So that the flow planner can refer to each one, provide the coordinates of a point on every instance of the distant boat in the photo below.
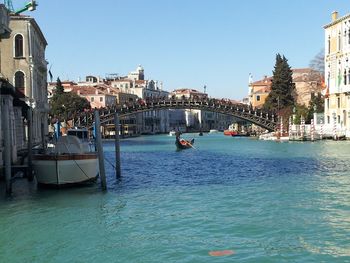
(71, 160)
(182, 144)
(172, 133)
(230, 131)
(273, 136)
(213, 131)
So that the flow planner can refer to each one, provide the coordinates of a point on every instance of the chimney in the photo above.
(334, 16)
(96, 91)
(108, 90)
(78, 92)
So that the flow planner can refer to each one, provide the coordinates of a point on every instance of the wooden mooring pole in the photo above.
(7, 146)
(100, 150)
(117, 146)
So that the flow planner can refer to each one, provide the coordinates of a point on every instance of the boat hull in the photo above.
(59, 170)
(230, 133)
(184, 145)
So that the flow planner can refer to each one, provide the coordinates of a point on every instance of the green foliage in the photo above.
(301, 110)
(316, 105)
(282, 88)
(65, 104)
(59, 87)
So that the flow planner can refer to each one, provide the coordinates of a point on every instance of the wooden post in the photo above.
(30, 144)
(7, 145)
(100, 150)
(117, 146)
(312, 130)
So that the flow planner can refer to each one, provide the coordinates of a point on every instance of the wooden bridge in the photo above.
(260, 118)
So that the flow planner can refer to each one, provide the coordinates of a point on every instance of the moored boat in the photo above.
(230, 131)
(71, 160)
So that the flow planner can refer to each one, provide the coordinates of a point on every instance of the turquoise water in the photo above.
(265, 201)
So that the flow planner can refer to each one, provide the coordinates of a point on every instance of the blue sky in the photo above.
(184, 43)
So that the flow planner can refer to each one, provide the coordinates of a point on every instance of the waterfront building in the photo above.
(258, 92)
(337, 73)
(135, 83)
(97, 96)
(307, 81)
(22, 74)
(125, 90)
(197, 119)
(23, 64)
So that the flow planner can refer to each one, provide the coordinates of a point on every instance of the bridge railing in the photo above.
(267, 120)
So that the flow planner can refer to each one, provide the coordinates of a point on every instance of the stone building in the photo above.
(308, 82)
(12, 106)
(337, 73)
(135, 83)
(195, 120)
(22, 62)
(258, 92)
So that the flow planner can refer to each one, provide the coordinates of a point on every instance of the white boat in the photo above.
(71, 160)
(213, 131)
(272, 136)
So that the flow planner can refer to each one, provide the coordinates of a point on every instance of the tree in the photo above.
(65, 104)
(316, 105)
(282, 88)
(317, 63)
(59, 86)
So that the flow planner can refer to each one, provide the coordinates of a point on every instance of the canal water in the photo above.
(258, 201)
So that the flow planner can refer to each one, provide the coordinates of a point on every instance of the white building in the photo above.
(337, 74)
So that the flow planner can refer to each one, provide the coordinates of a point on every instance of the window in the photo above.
(329, 44)
(339, 42)
(345, 78)
(349, 36)
(327, 103)
(328, 119)
(338, 118)
(338, 102)
(19, 80)
(92, 99)
(257, 98)
(18, 46)
(101, 99)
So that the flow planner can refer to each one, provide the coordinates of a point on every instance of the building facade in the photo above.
(14, 64)
(307, 81)
(337, 73)
(22, 62)
(258, 92)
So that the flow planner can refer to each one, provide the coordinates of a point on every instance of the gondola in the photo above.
(182, 144)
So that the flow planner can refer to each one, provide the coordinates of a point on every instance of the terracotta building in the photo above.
(308, 82)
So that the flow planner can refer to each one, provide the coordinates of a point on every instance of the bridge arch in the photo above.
(258, 117)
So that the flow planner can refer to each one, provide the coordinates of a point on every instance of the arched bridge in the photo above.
(263, 119)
